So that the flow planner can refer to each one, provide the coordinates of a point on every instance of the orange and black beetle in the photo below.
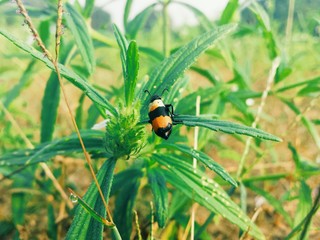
(161, 116)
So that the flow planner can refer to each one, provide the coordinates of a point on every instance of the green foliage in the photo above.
(83, 225)
(124, 135)
(227, 78)
(79, 30)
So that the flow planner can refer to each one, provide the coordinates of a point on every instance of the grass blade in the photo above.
(205, 191)
(123, 213)
(132, 72)
(203, 19)
(23, 82)
(49, 110)
(136, 24)
(278, 206)
(67, 73)
(93, 141)
(78, 28)
(174, 66)
(228, 12)
(83, 225)
(224, 126)
(204, 158)
(160, 194)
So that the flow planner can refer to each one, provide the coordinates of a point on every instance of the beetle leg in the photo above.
(168, 106)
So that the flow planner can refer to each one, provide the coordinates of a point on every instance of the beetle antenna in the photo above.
(147, 91)
(166, 89)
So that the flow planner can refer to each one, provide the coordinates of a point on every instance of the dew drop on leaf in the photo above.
(73, 198)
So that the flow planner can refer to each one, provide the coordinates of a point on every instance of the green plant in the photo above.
(163, 169)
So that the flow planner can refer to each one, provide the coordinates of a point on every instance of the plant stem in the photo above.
(289, 22)
(28, 21)
(272, 73)
(165, 29)
(115, 233)
(195, 146)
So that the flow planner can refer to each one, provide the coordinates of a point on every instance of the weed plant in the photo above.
(144, 186)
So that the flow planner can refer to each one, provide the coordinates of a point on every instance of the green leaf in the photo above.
(203, 19)
(79, 111)
(93, 141)
(25, 79)
(83, 225)
(205, 73)
(88, 8)
(160, 194)
(304, 204)
(132, 72)
(295, 85)
(173, 67)
(205, 191)
(126, 13)
(224, 126)
(264, 22)
(278, 206)
(138, 21)
(204, 158)
(123, 44)
(51, 99)
(52, 226)
(305, 121)
(125, 200)
(78, 28)
(67, 73)
(228, 12)
(49, 110)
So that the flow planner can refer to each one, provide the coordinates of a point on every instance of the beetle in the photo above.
(160, 115)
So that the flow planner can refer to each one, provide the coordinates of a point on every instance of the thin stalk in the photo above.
(270, 80)
(165, 30)
(137, 225)
(115, 233)
(28, 21)
(289, 22)
(195, 146)
(152, 221)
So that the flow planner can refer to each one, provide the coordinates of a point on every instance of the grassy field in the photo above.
(243, 157)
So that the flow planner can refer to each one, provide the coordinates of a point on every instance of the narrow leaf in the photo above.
(132, 72)
(67, 73)
(305, 121)
(88, 8)
(304, 204)
(93, 141)
(123, 44)
(83, 225)
(278, 206)
(138, 21)
(203, 19)
(126, 13)
(123, 213)
(224, 126)
(204, 158)
(205, 191)
(24, 81)
(228, 12)
(90, 210)
(78, 28)
(160, 194)
(174, 66)
(49, 110)
(51, 99)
